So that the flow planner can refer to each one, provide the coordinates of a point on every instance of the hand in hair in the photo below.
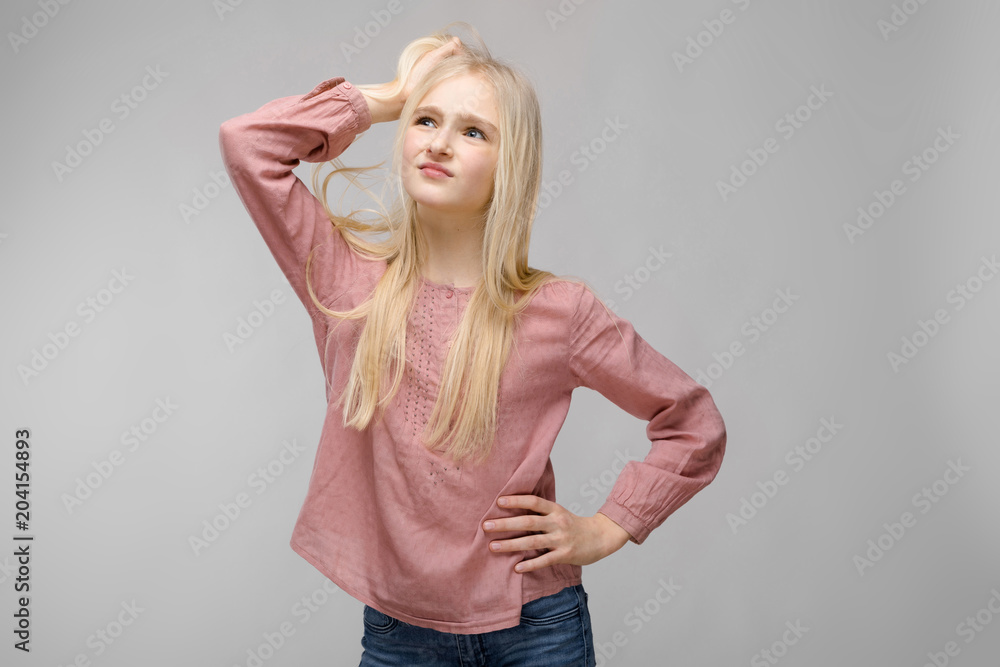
(386, 100)
(426, 62)
(568, 538)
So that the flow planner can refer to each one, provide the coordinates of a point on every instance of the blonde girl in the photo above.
(449, 366)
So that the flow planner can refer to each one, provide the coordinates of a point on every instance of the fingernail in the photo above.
(488, 525)
(518, 567)
(502, 501)
(495, 546)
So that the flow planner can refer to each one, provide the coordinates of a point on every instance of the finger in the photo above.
(525, 543)
(535, 503)
(545, 560)
(448, 48)
(530, 522)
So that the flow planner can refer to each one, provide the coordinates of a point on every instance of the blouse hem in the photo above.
(508, 621)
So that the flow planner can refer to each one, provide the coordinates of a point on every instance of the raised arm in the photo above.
(260, 149)
(685, 428)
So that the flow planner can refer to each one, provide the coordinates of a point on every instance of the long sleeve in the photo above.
(685, 428)
(259, 151)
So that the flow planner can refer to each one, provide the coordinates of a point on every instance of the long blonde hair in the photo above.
(464, 417)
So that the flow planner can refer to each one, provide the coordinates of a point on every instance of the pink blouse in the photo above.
(393, 524)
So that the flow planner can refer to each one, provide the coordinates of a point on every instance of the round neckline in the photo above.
(450, 287)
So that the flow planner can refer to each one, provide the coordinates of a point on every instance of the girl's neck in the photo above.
(452, 250)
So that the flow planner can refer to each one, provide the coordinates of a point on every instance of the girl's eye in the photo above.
(429, 122)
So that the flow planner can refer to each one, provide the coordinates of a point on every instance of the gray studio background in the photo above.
(880, 548)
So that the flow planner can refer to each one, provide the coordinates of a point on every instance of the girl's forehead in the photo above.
(466, 92)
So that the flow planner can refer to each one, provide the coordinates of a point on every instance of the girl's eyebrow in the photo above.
(468, 117)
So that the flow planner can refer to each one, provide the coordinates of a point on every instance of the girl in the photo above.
(449, 365)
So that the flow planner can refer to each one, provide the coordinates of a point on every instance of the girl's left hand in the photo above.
(577, 540)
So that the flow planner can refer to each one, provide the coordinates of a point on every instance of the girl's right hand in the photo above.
(426, 62)
(385, 107)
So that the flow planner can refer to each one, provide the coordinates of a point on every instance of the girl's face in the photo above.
(450, 148)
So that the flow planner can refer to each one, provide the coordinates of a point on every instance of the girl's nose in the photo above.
(439, 143)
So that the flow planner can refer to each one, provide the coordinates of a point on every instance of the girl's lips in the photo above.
(433, 172)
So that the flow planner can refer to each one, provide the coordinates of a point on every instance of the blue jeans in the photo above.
(554, 631)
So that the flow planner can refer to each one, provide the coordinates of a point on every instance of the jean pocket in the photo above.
(552, 609)
(377, 622)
